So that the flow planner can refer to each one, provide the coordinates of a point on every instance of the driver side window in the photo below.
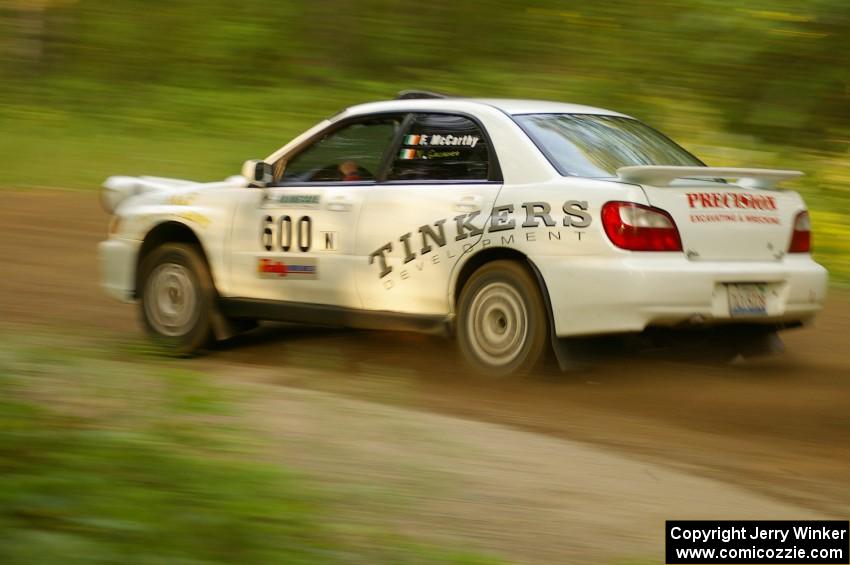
(350, 154)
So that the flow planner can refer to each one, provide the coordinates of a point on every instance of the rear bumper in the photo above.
(628, 294)
(117, 260)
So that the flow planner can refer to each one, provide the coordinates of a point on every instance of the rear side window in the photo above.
(442, 147)
(589, 145)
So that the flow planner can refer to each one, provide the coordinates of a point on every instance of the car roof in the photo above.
(507, 105)
(518, 106)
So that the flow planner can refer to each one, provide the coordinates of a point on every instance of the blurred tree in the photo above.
(774, 68)
(25, 30)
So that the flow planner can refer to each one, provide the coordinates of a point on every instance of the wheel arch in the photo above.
(568, 355)
(485, 256)
(169, 231)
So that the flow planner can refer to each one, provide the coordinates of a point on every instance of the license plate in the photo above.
(747, 299)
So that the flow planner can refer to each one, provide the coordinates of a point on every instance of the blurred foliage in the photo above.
(128, 461)
(192, 88)
(776, 69)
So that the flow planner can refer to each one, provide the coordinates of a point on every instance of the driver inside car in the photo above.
(349, 170)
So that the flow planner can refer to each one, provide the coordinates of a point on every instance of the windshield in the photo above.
(589, 145)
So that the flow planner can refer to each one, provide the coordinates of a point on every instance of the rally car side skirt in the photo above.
(327, 315)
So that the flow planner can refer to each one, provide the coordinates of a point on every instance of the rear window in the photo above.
(588, 145)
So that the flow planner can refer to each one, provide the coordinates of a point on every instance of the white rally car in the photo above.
(508, 223)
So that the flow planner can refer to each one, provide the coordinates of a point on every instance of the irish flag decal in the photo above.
(412, 140)
(407, 153)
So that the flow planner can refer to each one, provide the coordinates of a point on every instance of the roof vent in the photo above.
(418, 95)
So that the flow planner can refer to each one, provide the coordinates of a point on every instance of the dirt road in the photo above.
(778, 428)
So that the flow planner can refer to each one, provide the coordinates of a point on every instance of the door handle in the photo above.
(339, 204)
(468, 203)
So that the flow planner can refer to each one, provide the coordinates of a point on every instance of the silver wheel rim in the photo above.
(171, 304)
(497, 324)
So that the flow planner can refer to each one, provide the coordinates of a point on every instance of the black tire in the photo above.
(177, 298)
(502, 321)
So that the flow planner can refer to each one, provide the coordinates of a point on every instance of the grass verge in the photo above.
(107, 459)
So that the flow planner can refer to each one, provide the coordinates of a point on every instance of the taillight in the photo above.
(801, 237)
(640, 228)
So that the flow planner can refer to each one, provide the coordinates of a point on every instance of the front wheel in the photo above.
(502, 322)
(177, 298)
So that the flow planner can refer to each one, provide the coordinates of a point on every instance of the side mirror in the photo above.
(258, 173)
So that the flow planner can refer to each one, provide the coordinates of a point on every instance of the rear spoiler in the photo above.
(662, 176)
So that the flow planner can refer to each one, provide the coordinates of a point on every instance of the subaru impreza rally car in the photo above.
(510, 224)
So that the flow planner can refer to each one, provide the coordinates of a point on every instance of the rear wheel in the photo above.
(177, 298)
(502, 321)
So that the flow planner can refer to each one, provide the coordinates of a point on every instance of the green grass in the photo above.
(111, 456)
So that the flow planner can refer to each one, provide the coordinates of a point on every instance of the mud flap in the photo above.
(222, 327)
(572, 354)
(569, 354)
(576, 354)
(226, 328)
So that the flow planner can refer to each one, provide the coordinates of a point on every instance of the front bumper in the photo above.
(628, 294)
(117, 260)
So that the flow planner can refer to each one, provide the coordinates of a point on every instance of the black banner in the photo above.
(752, 541)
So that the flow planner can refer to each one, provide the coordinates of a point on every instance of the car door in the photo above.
(295, 240)
(441, 182)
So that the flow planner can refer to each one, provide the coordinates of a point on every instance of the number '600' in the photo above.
(278, 235)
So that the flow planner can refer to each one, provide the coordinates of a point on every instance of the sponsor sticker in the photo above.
(708, 200)
(186, 199)
(195, 217)
(296, 200)
(732, 207)
(300, 269)
(536, 217)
